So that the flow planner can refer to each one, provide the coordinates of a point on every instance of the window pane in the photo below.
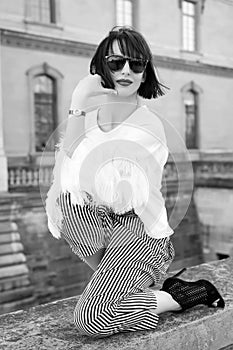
(188, 27)
(43, 10)
(128, 12)
(124, 12)
(191, 119)
(188, 8)
(44, 108)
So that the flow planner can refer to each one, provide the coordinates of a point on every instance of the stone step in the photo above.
(7, 227)
(12, 259)
(9, 237)
(14, 282)
(11, 248)
(16, 294)
(10, 271)
(14, 305)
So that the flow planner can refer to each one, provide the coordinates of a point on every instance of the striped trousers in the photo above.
(133, 262)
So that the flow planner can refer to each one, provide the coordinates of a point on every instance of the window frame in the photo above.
(43, 69)
(199, 9)
(39, 103)
(197, 91)
(134, 13)
(193, 18)
(55, 15)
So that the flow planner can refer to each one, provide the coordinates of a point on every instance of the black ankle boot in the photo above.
(189, 294)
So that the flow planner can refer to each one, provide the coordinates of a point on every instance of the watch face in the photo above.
(77, 112)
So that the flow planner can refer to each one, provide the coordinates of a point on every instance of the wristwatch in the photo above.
(76, 112)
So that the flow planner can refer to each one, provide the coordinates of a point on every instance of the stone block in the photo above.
(9, 237)
(13, 282)
(16, 294)
(12, 259)
(50, 326)
(14, 305)
(7, 226)
(9, 248)
(14, 270)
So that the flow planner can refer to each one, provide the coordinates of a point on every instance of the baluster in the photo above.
(24, 177)
(11, 177)
(29, 177)
(18, 177)
(35, 177)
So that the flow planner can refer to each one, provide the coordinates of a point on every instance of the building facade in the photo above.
(45, 49)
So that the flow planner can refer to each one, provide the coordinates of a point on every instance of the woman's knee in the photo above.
(86, 321)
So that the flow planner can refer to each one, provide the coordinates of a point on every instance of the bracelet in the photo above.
(76, 112)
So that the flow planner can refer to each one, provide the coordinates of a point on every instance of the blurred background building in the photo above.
(45, 49)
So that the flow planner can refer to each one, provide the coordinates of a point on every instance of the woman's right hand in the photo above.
(89, 86)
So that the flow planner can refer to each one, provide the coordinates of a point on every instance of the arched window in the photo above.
(191, 102)
(45, 106)
(45, 116)
(190, 105)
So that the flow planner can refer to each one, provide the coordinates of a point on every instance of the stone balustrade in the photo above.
(208, 171)
(23, 177)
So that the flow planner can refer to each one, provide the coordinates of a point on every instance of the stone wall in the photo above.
(53, 270)
(51, 326)
(34, 267)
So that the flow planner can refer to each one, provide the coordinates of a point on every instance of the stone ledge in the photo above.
(50, 326)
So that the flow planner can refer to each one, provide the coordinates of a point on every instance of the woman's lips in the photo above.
(124, 82)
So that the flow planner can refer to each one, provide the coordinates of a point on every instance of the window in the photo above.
(45, 106)
(124, 12)
(190, 104)
(44, 110)
(42, 11)
(191, 96)
(189, 24)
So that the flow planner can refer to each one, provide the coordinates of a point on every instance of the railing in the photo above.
(23, 177)
(31, 176)
(213, 173)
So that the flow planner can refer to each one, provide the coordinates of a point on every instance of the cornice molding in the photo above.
(200, 2)
(192, 66)
(44, 43)
(75, 48)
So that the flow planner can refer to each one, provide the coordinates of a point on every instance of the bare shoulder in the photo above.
(152, 121)
(151, 116)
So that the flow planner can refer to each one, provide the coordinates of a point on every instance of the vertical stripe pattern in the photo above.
(132, 263)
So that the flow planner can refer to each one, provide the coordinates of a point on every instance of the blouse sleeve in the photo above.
(64, 179)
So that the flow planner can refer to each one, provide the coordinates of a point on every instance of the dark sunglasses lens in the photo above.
(115, 63)
(137, 66)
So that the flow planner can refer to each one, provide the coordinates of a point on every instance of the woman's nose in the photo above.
(126, 68)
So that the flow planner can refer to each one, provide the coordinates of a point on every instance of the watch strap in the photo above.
(76, 112)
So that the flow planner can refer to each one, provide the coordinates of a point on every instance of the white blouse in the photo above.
(121, 168)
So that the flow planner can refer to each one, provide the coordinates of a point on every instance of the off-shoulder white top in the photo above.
(121, 168)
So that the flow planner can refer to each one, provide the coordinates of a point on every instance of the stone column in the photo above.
(3, 159)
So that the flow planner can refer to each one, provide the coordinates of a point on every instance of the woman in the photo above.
(101, 203)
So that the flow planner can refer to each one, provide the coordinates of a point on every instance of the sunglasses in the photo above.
(117, 62)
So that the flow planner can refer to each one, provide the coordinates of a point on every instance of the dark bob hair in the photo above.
(132, 44)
